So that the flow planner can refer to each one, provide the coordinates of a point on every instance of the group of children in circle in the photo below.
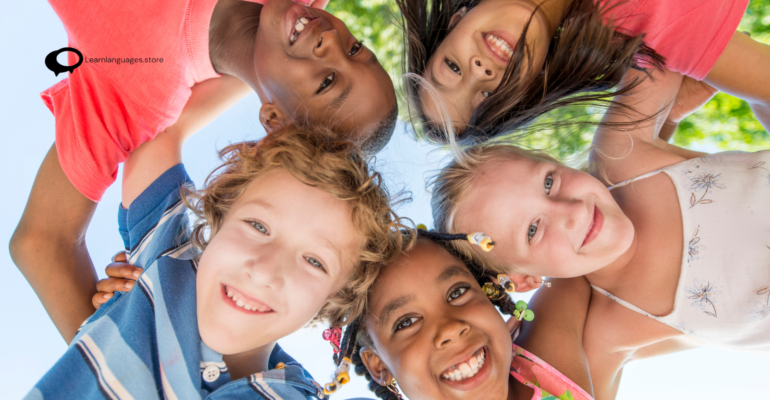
(299, 228)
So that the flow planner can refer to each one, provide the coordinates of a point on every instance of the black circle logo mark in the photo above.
(53, 64)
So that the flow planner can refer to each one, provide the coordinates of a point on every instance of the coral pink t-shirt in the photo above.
(105, 110)
(691, 34)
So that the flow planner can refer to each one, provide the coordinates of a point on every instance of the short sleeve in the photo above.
(157, 216)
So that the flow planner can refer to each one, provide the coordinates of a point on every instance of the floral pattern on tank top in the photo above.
(723, 294)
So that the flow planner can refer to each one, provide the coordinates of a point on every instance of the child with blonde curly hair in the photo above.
(287, 228)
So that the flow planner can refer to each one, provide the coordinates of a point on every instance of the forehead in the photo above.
(415, 274)
(500, 186)
(310, 210)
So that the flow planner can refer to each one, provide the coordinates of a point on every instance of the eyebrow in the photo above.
(263, 204)
(451, 272)
(393, 306)
(329, 245)
(340, 100)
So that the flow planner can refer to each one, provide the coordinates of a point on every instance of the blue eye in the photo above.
(532, 230)
(456, 293)
(261, 228)
(405, 323)
(312, 261)
(548, 184)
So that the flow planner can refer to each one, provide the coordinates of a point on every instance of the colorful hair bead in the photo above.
(341, 376)
(481, 240)
(522, 312)
(506, 283)
(493, 291)
(333, 336)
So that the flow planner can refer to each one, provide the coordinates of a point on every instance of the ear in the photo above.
(525, 283)
(271, 117)
(377, 369)
(457, 16)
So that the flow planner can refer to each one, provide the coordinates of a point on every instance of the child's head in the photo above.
(429, 325)
(546, 219)
(495, 65)
(314, 72)
(288, 226)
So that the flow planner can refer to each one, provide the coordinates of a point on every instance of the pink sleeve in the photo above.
(96, 128)
(530, 370)
(690, 34)
(309, 3)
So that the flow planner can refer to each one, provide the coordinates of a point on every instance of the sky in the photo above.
(29, 342)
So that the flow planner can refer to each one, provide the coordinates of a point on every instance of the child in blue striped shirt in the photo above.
(286, 227)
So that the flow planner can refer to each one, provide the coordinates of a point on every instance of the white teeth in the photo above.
(499, 46)
(304, 20)
(466, 369)
(299, 26)
(242, 304)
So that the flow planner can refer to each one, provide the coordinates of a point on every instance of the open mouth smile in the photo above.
(470, 373)
(241, 302)
(499, 47)
(297, 23)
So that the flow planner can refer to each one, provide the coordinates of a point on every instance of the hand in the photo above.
(121, 278)
(692, 96)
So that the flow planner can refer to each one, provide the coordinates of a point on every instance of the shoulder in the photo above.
(292, 382)
(157, 215)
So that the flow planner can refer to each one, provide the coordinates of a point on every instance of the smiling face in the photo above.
(546, 219)
(435, 331)
(471, 61)
(282, 250)
(309, 65)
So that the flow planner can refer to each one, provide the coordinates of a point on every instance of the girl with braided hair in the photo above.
(429, 326)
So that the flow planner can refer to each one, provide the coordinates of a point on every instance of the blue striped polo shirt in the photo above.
(144, 344)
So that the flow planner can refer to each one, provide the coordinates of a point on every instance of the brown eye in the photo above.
(356, 49)
(326, 83)
(452, 66)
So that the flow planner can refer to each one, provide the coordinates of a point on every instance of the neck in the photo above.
(249, 362)
(232, 35)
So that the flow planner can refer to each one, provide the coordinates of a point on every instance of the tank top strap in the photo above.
(624, 303)
(627, 181)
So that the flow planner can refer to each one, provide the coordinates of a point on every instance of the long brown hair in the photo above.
(586, 59)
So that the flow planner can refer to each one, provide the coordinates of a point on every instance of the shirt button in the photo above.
(211, 373)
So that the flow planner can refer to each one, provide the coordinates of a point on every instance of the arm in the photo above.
(49, 246)
(208, 100)
(692, 96)
(556, 334)
(741, 71)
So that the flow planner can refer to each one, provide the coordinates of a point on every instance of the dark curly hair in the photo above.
(356, 336)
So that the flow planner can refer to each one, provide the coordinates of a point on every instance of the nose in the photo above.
(329, 44)
(572, 212)
(450, 330)
(267, 267)
(482, 69)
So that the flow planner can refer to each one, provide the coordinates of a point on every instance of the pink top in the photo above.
(691, 34)
(105, 110)
(547, 382)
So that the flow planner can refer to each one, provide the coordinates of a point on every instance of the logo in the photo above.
(52, 64)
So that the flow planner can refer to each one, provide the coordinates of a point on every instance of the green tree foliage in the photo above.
(725, 123)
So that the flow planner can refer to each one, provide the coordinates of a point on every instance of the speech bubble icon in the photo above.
(53, 64)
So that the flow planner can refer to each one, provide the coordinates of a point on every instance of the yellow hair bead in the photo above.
(481, 240)
(506, 283)
(422, 227)
(280, 365)
(330, 388)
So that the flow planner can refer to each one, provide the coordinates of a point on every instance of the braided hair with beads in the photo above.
(356, 336)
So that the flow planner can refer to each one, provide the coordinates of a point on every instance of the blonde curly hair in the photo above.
(315, 157)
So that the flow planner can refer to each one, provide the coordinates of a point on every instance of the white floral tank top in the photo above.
(723, 295)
